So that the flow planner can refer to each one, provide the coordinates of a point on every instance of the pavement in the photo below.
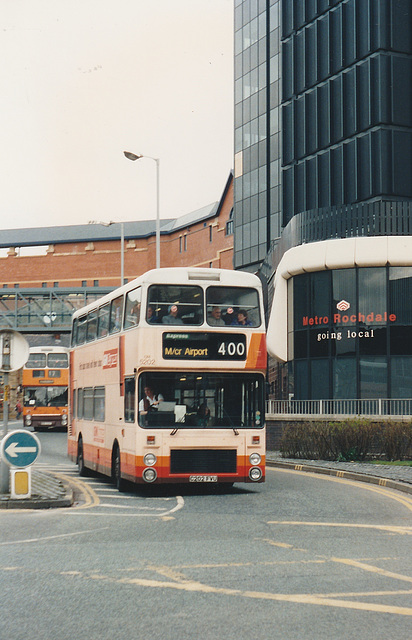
(49, 491)
(392, 476)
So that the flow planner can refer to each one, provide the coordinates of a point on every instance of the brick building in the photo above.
(79, 263)
(89, 255)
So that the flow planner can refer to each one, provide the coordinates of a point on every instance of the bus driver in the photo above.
(150, 401)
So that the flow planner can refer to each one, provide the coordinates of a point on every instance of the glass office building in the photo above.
(323, 189)
(257, 130)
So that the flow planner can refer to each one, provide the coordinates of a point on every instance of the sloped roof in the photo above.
(95, 232)
(191, 218)
(33, 237)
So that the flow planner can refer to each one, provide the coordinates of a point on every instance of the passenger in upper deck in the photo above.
(215, 317)
(242, 319)
(172, 317)
(151, 318)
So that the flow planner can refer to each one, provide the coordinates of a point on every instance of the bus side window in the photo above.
(132, 311)
(80, 403)
(103, 321)
(129, 399)
(73, 411)
(81, 330)
(91, 326)
(99, 402)
(116, 312)
(74, 333)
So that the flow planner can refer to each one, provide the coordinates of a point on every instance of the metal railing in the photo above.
(382, 407)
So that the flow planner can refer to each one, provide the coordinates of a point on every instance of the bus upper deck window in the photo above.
(103, 321)
(233, 306)
(132, 311)
(57, 360)
(116, 313)
(91, 326)
(74, 333)
(175, 305)
(81, 330)
(36, 360)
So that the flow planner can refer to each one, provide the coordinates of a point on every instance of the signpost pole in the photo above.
(4, 470)
(14, 353)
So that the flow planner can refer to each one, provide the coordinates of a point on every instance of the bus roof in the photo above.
(49, 349)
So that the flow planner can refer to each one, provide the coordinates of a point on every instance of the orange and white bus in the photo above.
(45, 388)
(167, 379)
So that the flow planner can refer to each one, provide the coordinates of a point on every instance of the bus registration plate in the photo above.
(202, 478)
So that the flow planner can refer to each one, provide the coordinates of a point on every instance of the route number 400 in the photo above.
(232, 349)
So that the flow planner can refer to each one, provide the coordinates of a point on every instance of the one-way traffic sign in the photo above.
(20, 448)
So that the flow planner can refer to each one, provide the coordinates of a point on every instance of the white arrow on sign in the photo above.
(13, 450)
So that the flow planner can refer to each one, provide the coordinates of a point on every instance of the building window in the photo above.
(95, 283)
(210, 233)
(229, 225)
(44, 285)
(55, 284)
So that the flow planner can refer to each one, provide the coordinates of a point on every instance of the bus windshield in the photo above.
(201, 399)
(45, 396)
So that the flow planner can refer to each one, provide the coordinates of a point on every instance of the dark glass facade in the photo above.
(350, 336)
(347, 102)
(257, 211)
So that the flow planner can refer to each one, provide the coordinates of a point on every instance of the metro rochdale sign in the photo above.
(344, 316)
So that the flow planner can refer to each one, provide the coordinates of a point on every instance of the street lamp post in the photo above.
(133, 156)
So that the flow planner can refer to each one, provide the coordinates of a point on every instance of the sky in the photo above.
(81, 81)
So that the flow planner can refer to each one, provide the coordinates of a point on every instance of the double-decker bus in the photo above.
(45, 388)
(167, 380)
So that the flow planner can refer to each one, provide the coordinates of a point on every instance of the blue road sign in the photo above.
(20, 448)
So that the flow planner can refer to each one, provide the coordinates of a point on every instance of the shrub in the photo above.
(349, 439)
(396, 439)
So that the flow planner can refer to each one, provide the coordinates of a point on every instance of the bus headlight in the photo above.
(150, 459)
(64, 419)
(255, 474)
(255, 459)
(28, 420)
(149, 474)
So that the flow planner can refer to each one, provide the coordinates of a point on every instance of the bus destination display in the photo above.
(204, 346)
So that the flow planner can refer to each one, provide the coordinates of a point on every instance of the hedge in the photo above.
(352, 439)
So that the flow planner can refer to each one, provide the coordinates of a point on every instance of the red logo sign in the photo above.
(110, 359)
